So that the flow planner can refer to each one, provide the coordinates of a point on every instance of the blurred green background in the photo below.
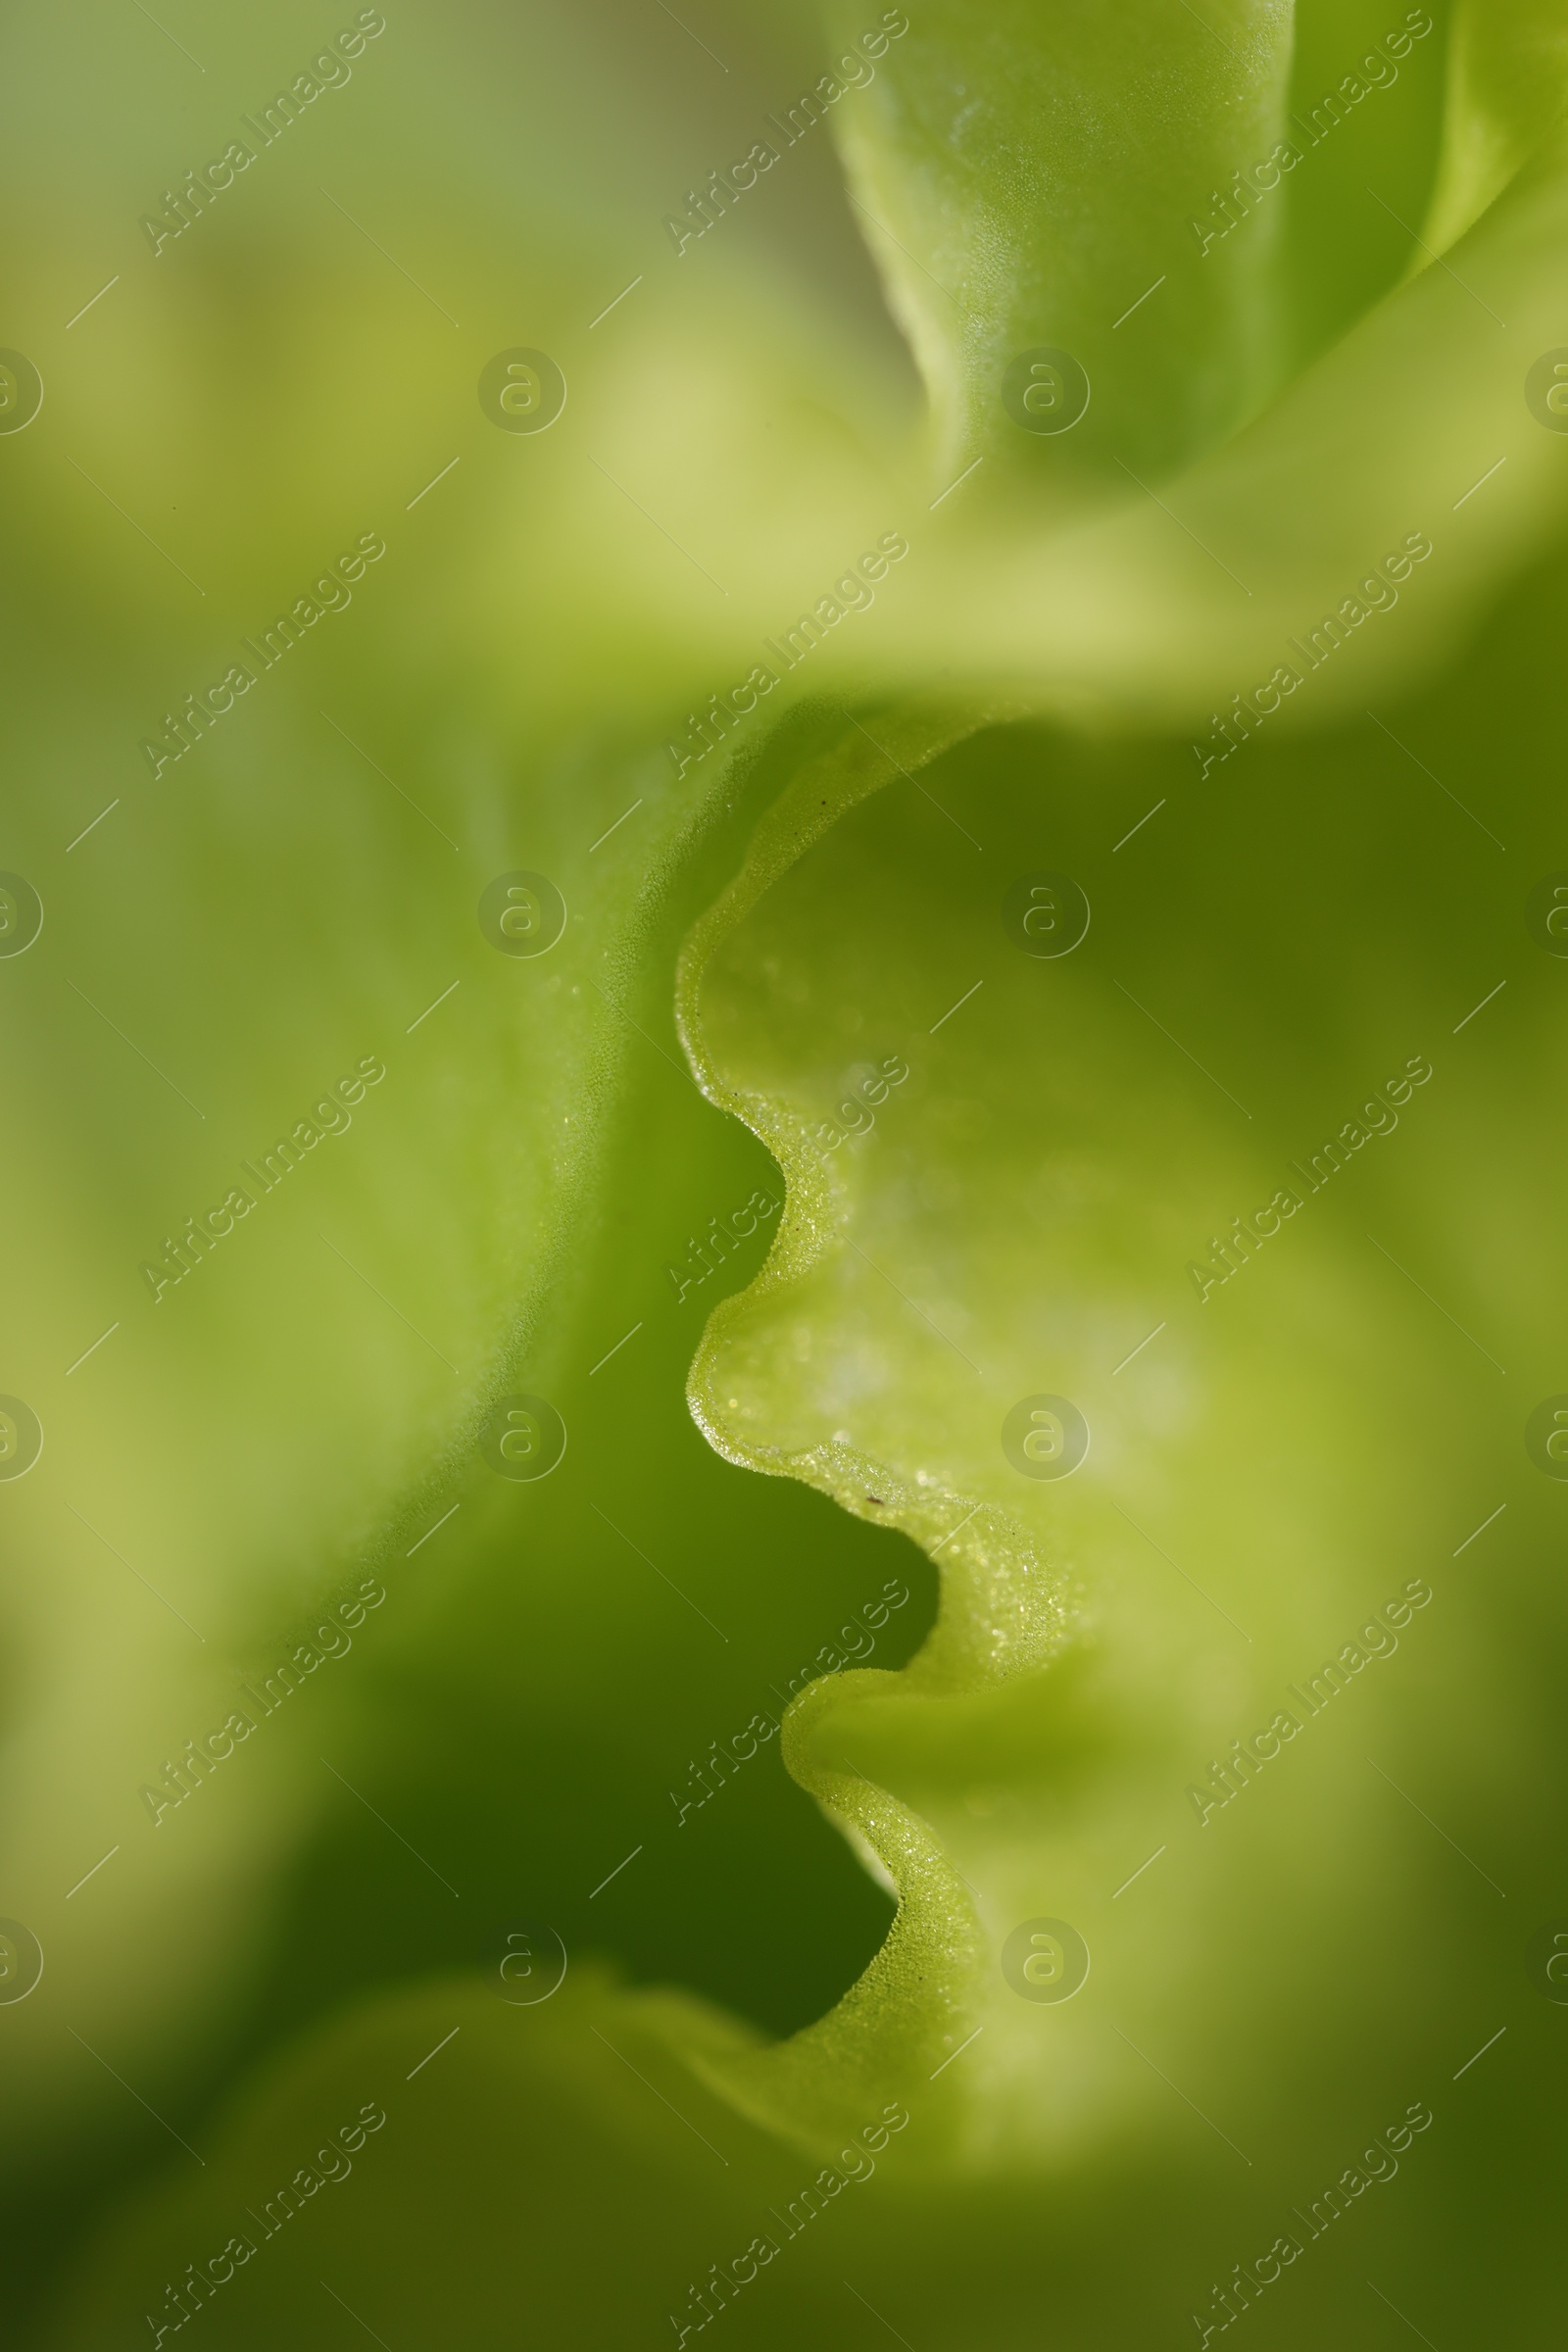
(750, 1987)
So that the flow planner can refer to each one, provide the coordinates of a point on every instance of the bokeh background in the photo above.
(759, 1987)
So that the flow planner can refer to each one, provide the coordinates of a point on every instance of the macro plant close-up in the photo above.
(782, 1441)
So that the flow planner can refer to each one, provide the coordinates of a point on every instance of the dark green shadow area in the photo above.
(555, 1684)
(549, 1666)
(1366, 121)
(553, 1663)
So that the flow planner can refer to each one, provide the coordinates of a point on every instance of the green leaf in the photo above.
(1508, 75)
(1026, 179)
(1009, 1181)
